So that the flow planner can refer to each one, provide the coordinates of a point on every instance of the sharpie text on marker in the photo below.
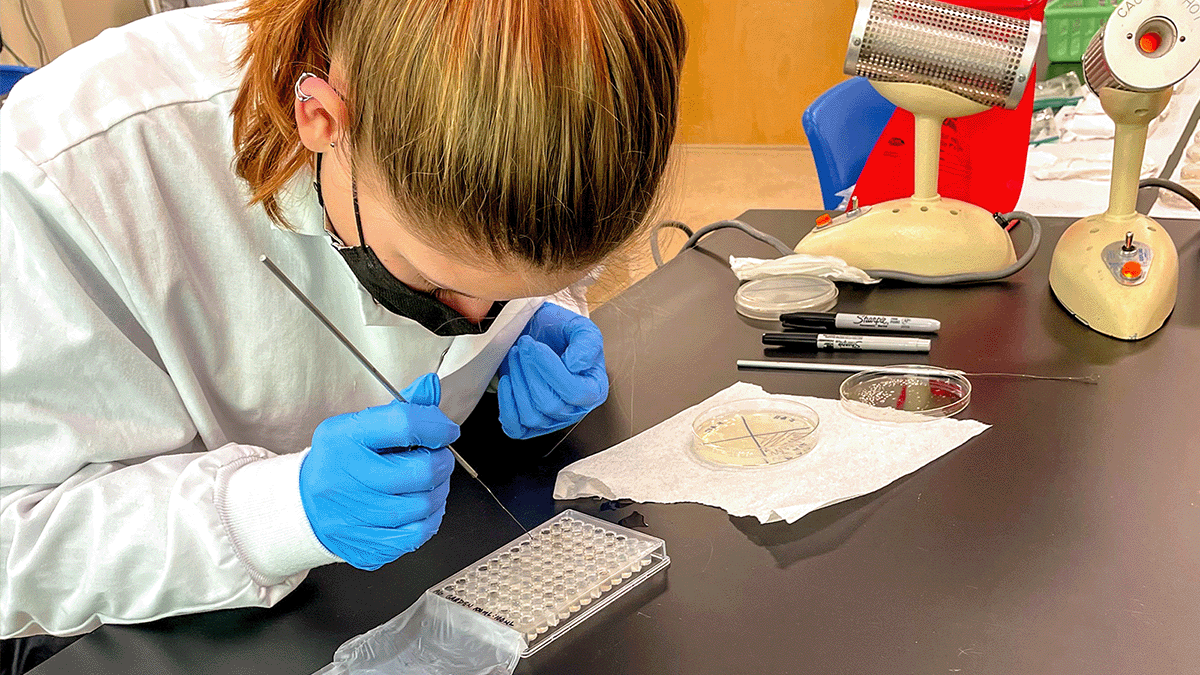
(863, 343)
(843, 321)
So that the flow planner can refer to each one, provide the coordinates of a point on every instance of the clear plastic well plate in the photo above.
(565, 570)
(754, 432)
(905, 394)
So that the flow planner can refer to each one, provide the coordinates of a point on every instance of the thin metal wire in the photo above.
(287, 282)
(1082, 379)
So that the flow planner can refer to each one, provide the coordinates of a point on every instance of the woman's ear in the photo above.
(320, 113)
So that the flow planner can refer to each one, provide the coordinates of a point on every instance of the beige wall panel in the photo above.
(754, 65)
(86, 18)
(62, 24)
(47, 16)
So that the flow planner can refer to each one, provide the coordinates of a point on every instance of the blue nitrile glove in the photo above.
(371, 485)
(553, 375)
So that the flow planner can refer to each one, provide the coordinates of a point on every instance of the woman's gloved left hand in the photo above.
(553, 375)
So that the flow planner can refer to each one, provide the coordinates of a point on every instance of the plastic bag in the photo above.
(1044, 128)
(1065, 89)
(434, 636)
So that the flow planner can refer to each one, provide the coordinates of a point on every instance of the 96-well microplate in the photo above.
(547, 582)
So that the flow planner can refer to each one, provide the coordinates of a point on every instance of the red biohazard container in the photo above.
(982, 156)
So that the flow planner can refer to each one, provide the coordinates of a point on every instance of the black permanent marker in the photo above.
(829, 320)
(863, 343)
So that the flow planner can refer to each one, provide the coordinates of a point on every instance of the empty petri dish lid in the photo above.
(905, 394)
(768, 298)
(756, 432)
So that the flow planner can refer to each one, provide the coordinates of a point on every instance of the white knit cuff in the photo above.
(265, 519)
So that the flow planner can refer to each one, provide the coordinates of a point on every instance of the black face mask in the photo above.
(394, 295)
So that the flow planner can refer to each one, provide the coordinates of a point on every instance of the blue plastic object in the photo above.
(9, 76)
(842, 126)
(375, 482)
(553, 375)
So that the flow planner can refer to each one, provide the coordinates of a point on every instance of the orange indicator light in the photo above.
(1149, 42)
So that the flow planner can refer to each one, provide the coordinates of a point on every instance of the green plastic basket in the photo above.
(1070, 25)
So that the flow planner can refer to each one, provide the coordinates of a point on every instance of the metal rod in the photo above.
(329, 324)
(914, 370)
(283, 278)
(800, 365)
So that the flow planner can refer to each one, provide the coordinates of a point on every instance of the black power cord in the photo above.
(964, 278)
(1171, 186)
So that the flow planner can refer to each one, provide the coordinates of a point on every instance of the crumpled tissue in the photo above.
(852, 457)
(1048, 166)
(826, 266)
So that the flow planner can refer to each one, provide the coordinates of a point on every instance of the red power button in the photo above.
(1131, 269)
(1150, 42)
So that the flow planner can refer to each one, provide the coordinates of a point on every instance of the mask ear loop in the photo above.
(301, 96)
(354, 188)
(357, 218)
(317, 181)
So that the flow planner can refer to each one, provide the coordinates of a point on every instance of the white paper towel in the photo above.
(824, 266)
(852, 457)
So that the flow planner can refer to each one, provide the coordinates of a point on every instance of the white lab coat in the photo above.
(158, 386)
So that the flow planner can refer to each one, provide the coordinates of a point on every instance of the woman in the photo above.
(179, 433)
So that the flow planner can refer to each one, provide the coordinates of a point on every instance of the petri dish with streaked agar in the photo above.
(905, 394)
(754, 433)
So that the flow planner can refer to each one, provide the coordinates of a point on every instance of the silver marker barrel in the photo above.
(864, 343)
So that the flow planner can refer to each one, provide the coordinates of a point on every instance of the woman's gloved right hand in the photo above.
(374, 483)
